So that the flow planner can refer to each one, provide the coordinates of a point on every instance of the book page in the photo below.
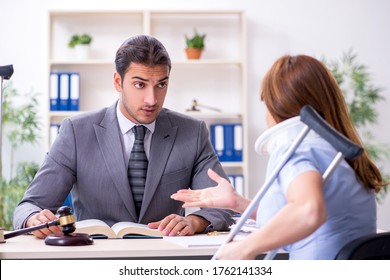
(123, 228)
(94, 227)
(90, 222)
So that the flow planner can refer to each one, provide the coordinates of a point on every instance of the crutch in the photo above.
(312, 120)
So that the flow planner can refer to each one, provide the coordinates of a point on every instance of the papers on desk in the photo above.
(248, 227)
(204, 240)
(197, 240)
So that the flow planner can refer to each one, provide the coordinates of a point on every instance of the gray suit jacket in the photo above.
(87, 158)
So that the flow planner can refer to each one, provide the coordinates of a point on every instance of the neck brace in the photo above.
(283, 133)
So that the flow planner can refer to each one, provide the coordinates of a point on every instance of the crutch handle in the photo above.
(6, 71)
(341, 143)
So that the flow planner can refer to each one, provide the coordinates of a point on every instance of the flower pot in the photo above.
(82, 51)
(193, 53)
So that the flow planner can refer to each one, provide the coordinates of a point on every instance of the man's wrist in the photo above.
(24, 225)
(201, 225)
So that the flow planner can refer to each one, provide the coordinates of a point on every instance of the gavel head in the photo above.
(66, 219)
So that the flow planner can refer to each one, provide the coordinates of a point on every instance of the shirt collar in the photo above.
(125, 124)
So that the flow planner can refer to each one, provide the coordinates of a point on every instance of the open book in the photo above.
(99, 229)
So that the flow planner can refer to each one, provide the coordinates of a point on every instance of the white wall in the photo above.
(319, 28)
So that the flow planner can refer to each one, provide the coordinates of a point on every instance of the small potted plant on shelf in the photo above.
(195, 45)
(81, 43)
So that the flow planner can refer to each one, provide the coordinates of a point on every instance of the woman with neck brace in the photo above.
(308, 219)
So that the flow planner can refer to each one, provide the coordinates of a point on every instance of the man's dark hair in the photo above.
(142, 49)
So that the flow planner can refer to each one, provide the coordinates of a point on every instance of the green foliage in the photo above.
(361, 97)
(21, 121)
(22, 126)
(196, 41)
(76, 39)
(12, 191)
(355, 82)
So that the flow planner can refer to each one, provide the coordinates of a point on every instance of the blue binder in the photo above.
(238, 142)
(217, 140)
(226, 139)
(64, 91)
(54, 91)
(74, 91)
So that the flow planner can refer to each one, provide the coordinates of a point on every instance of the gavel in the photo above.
(67, 222)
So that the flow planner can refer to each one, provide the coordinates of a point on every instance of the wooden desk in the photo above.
(30, 247)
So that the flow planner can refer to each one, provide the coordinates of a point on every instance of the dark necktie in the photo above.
(138, 166)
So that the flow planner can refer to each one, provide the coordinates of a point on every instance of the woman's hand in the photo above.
(221, 196)
(236, 250)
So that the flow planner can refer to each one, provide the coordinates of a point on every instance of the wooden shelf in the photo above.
(218, 79)
(201, 62)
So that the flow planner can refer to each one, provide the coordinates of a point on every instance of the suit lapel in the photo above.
(161, 145)
(108, 137)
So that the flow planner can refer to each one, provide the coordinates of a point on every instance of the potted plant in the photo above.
(195, 45)
(81, 44)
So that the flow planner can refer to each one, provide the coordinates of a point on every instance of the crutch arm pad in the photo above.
(6, 71)
(314, 121)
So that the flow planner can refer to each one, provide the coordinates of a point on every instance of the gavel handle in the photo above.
(30, 229)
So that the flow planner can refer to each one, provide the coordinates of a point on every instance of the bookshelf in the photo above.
(217, 80)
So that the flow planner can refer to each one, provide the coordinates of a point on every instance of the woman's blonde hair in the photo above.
(295, 81)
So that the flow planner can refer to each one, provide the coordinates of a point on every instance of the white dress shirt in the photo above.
(125, 126)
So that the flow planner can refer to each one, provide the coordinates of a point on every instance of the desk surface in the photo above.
(30, 247)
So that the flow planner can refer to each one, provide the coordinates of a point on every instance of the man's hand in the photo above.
(174, 225)
(41, 218)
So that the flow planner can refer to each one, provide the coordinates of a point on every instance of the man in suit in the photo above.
(91, 153)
